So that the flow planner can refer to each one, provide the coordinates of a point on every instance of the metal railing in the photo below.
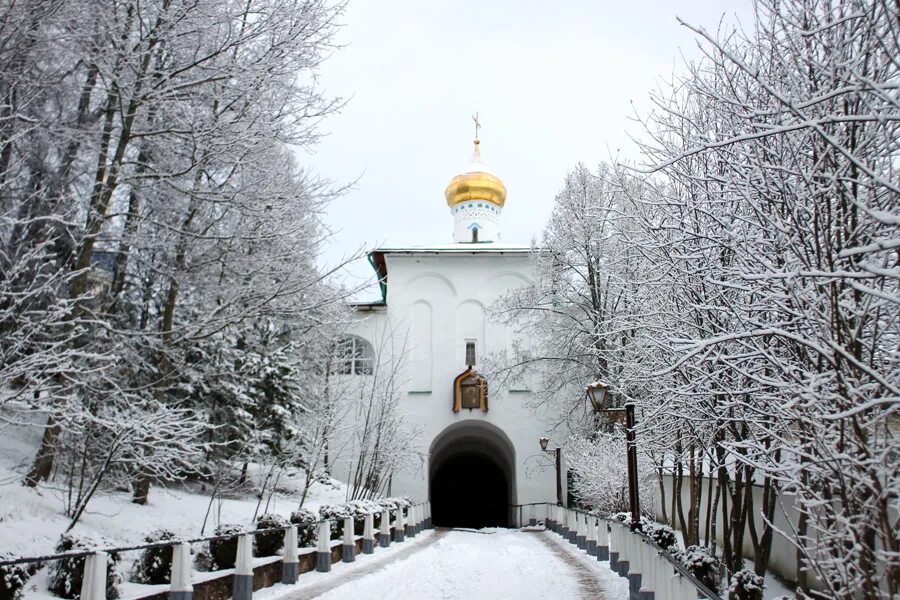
(652, 571)
(407, 522)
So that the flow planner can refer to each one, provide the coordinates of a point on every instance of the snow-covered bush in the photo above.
(155, 564)
(66, 575)
(360, 509)
(392, 504)
(701, 564)
(223, 552)
(305, 520)
(14, 577)
(662, 535)
(746, 585)
(203, 561)
(268, 544)
(337, 513)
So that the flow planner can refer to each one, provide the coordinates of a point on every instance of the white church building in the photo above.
(478, 439)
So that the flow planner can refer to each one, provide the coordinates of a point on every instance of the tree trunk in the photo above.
(43, 460)
(141, 490)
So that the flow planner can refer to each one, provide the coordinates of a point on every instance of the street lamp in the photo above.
(598, 393)
(557, 451)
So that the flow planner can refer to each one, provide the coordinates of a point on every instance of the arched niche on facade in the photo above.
(421, 346)
(430, 285)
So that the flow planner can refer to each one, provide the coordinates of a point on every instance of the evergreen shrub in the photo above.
(154, 566)
(305, 520)
(14, 577)
(224, 552)
(745, 585)
(701, 564)
(66, 575)
(268, 544)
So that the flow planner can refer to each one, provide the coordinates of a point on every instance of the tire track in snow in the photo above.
(591, 587)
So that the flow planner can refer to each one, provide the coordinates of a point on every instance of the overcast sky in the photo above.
(554, 83)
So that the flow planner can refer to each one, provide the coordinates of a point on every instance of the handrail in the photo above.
(673, 562)
(172, 542)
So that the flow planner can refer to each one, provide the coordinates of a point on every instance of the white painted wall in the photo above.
(440, 299)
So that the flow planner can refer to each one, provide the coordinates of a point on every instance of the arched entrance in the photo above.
(471, 473)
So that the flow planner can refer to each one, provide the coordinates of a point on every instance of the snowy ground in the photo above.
(488, 564)
(31, 521)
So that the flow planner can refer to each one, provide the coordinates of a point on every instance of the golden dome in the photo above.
(476, 182)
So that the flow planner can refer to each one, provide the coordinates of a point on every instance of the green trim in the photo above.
(381, 283)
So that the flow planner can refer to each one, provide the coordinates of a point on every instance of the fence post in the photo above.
(580, 532)
(242, 588)
(625, 558)
(428, 514)
(591, 535)
(368, 544)
(384, 531)
(399, 526)
(323, 547)
(602, 540)
(410, 525)
(349, 551)
(648, 588)
(93, 582)
(573, 526)
(636, 562)
(180, 587)
(615, 545)
(290, 566)
(564, 523)
(683, 588)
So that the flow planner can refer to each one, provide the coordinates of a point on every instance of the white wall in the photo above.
(445, 297)
(783, 559)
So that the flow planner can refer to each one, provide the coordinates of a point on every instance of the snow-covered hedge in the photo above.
(745, 585)
(223, 552)
(701, 564)
(662, 535)
(358, 509)
(155, 564)
(403, 502)
(336, 512)
(14, 577)
(268, 544)
(361, 508)
(305, 520)
(66, 575)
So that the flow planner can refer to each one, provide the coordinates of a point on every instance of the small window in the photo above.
(354, 356)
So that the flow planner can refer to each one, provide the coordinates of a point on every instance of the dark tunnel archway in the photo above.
(471, 476)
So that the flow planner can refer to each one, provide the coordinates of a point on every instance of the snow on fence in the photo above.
(652, 572)
(244, 579)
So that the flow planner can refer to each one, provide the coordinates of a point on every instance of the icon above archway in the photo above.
(470, 391)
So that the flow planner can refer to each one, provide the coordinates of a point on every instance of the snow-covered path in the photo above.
(489, 564)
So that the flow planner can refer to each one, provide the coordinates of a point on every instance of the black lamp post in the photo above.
(598, 393)
(544, 441)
